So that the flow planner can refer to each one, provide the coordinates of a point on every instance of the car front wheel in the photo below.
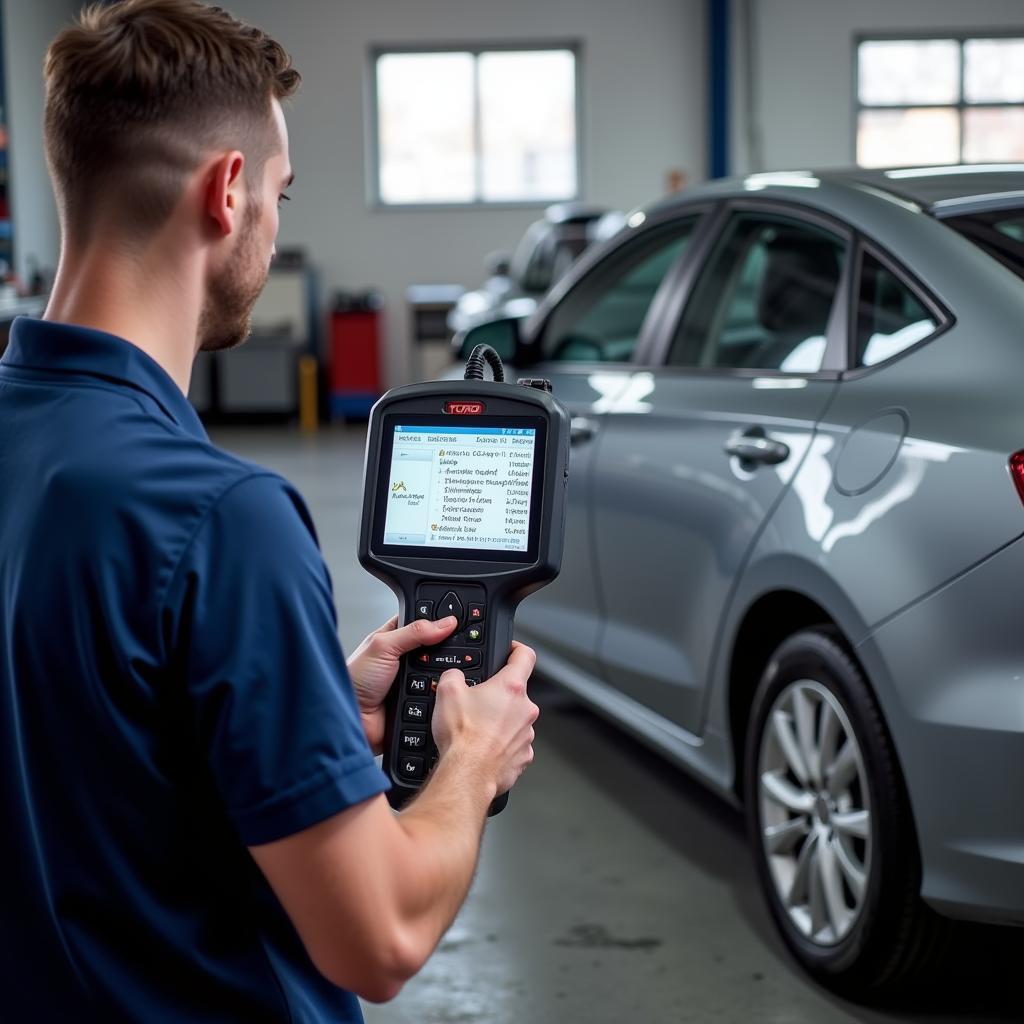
(830, 821)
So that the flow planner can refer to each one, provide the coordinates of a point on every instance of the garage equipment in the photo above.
(355, 365)
(463, 514)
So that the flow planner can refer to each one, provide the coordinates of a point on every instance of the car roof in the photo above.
(930, 186)
(940, 190)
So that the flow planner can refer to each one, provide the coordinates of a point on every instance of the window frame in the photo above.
(836, 357)
(958, 36)
(592, 262)
(677, 288)
(586, 285)
(944, 318)
(372, 119)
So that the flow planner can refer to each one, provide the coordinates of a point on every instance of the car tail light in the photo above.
(1017, 472)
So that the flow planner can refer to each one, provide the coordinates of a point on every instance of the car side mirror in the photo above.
(503, 335)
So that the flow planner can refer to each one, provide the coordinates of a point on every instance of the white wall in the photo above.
(643, 72)
(28, 27)
(643, 106)
(803, 67)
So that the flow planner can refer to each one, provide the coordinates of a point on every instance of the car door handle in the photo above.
(755, 448)
(581, 429)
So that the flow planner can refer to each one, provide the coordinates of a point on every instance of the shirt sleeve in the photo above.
(254, 635)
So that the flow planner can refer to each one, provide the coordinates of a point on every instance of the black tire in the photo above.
(894, 936)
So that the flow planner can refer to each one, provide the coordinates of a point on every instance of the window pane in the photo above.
(996, 133)
(528, 125)
(909, 71)
(890, 318)
(908, 138)
(601, 318)
(425, 127)
(994, 70)
(1000, 233)
(764, 300)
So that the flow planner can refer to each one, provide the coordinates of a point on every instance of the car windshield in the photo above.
(999, 232)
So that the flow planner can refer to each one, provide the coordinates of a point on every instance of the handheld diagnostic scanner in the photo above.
(463, 514)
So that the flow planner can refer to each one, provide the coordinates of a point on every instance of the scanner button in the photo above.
(417, 686)
(476, 612)
(450, 605)
(472, 680)
(424, 609)
(475, 635)
(411, 767)
(445, 659)
(454, 659)
(415, 711)
(413, 740)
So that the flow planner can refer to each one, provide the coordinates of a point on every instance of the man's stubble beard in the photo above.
(226, 319)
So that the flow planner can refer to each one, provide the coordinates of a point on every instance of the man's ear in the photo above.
(224, 191)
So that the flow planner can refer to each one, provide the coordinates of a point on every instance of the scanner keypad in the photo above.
(415, 753)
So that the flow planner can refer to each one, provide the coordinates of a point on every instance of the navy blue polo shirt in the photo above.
(172, 690)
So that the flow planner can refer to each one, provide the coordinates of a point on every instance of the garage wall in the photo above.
(643, 99)
(803, 69)
(28, 27)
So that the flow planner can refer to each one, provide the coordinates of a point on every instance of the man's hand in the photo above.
(489, 725)
(374, 664)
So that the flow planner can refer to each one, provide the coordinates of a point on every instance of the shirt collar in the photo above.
(66, 348)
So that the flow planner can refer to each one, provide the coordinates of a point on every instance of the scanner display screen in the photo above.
(468, 487)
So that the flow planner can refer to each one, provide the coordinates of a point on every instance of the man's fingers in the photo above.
(450, 677)
(522, 660)
(421, 633)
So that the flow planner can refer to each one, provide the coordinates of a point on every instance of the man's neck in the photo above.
(139, 296)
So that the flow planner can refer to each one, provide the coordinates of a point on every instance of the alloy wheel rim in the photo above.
(815, 814)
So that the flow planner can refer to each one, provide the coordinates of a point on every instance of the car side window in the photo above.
(890, 317)
(765, 298)
(601, 318)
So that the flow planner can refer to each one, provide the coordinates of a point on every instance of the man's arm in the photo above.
(370, 892)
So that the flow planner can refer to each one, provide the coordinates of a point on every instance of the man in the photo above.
(193, 817)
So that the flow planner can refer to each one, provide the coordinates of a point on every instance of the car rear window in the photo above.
(890, 317)
(999, 232)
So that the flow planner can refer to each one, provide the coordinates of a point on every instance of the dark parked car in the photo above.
(795, 557)
(516, 283)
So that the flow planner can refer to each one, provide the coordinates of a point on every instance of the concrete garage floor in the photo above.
(613, 888)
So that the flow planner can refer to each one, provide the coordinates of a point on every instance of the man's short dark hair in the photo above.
(137, 92)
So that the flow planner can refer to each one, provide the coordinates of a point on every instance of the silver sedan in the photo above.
(794, 553)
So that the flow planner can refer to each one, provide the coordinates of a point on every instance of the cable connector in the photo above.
(540, 383)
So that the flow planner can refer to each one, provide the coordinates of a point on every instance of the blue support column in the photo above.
(718, 88)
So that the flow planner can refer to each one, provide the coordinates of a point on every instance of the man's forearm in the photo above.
(445, 824)
(371, 892)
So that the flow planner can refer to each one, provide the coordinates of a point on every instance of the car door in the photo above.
(585, 345)
(695, 453)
